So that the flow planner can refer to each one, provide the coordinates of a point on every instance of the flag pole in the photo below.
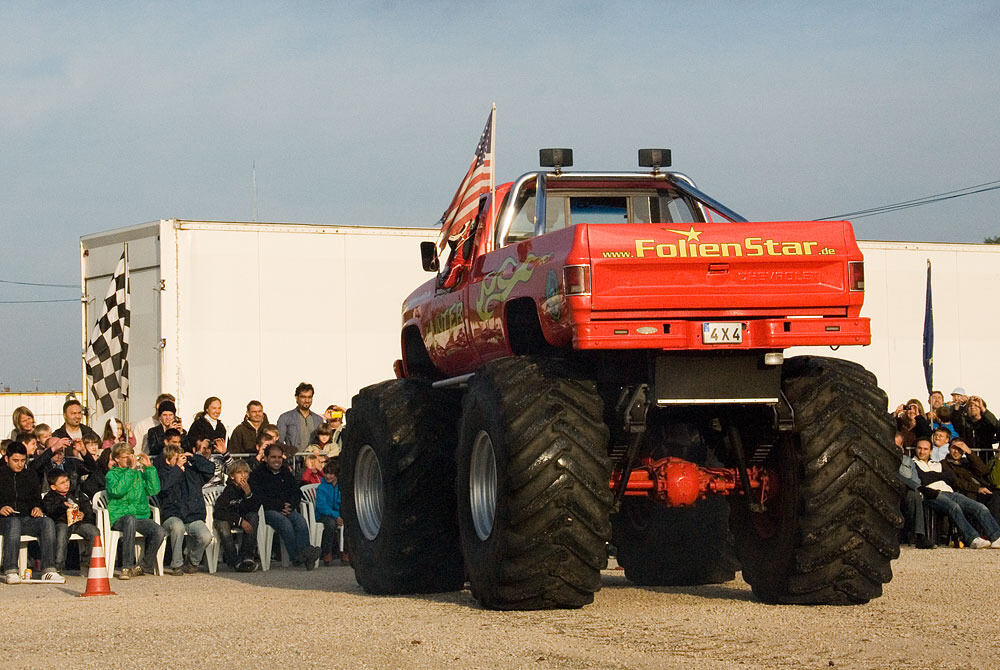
(83, 331)
(493, 164)
(128, 294)
(928, 339)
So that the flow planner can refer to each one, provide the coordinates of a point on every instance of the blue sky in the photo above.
(114, 114)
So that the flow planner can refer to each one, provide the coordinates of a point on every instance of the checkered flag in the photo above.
(107, 351)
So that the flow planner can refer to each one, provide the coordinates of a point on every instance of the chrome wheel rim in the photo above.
(483, 485)
(368, 492)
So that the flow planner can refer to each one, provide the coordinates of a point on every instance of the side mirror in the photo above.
(428, 256)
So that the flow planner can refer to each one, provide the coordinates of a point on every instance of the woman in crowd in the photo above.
(206, 425)
(911, 422)
(24, 422)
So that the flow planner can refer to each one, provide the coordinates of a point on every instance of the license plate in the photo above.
(718, 332)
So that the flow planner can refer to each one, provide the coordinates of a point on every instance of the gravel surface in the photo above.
(940, 611)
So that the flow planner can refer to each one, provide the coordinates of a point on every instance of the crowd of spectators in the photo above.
(51, 481)
(951, 471)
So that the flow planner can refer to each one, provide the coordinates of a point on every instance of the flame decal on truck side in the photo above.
(497, 286)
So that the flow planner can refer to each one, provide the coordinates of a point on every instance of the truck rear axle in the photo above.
(679, 483)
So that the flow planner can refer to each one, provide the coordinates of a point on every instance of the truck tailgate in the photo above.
(721, 266)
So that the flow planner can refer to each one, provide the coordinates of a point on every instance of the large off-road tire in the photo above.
(533, 496)
(674, 546)
(398, 477)
(831, 532)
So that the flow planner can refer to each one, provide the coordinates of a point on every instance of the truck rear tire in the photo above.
(674, 546)
(398, 476)
(829, 536)
(533, 496)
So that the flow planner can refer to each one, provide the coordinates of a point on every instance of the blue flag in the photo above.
(928, 335)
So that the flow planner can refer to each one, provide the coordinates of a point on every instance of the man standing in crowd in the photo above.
(182, 506)
(934, 402)
(273, 483)
(21, 512)
(155, 438)
(141, 429)
(244, 437)
(73, 426)
(296, 426)
(976, 425)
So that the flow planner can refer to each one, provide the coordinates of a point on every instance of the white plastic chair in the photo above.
(308, 510)
(210, 495)
(111, 537)
(265, 540)
(22, 554)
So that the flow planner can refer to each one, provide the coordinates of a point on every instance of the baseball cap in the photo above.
(959, 390)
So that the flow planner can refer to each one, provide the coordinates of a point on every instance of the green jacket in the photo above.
(129, 491)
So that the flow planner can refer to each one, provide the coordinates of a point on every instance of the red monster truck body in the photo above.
(616, 343)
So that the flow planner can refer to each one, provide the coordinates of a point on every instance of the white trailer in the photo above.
(248, 310)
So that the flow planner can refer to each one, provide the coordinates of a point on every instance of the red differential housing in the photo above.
(679, 483)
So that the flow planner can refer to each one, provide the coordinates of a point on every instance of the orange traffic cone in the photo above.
(98, 583)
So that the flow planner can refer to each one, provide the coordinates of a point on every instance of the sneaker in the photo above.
(190, 569)
(12, 578)
(176, 572)
(137, 571)
(996, 543)
(53, 576)
(312, 555)
(246, 565)
(979, 543)
(328, 559)
(125, 574)
(923, 542)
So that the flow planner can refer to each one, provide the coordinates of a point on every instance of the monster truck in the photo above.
(599, 363)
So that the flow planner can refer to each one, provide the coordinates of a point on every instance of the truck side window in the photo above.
(677, 209)
(523, 226)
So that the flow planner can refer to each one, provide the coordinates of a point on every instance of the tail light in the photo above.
(856, 275)
(576, 279)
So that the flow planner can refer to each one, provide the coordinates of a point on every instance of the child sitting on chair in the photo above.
(328, 510)
(129, 485)
(72, 515)
(237, 508)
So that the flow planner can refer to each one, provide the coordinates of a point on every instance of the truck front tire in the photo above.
(532, 486)
(829, 536)
(397, 477)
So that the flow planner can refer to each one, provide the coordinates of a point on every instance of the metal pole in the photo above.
(83, 328)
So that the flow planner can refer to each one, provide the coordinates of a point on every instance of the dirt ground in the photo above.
(941, 610)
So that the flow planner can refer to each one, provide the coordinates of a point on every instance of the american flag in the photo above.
(478, 181)
(107, 351)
